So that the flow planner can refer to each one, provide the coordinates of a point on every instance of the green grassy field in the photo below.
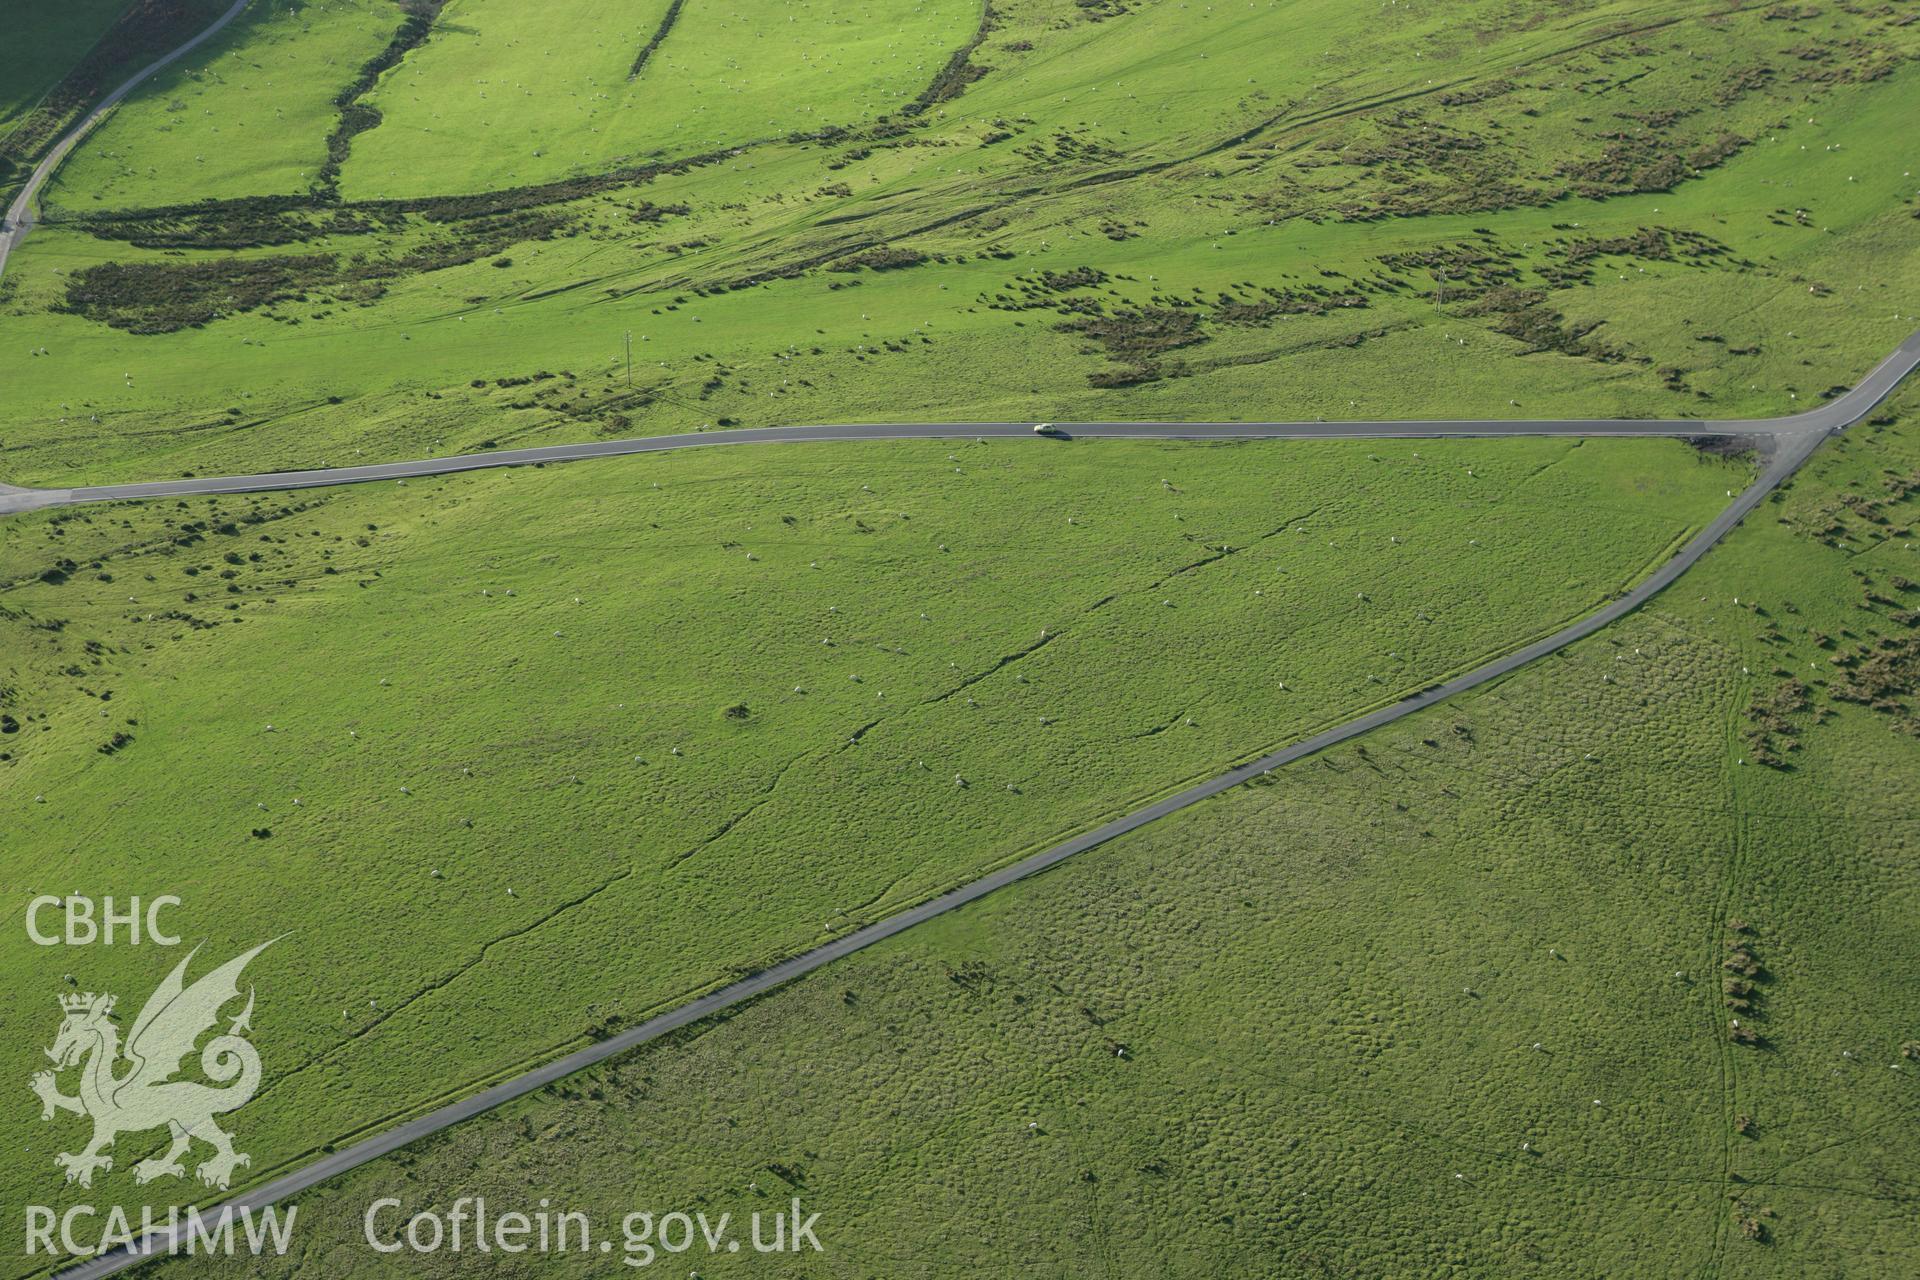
(1580, 215)
(521, 757)
(246, 114)
(1457, 998)
(512, 95)
(58, 61)
(557, 748)
(42, 43)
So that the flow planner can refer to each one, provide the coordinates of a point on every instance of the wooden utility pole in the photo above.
(629, 359)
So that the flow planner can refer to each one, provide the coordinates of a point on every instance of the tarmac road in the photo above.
(1790, 451)
(1788, 442)
(1834, 415)
(19, 219)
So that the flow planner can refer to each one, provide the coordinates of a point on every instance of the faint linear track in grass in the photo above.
(1789, 441)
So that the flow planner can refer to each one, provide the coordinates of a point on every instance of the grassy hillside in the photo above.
(246, 114)
(1581, 213)
(58, 61)
(518, 757)
(1556, 979)
(504, 96)
(43, 43)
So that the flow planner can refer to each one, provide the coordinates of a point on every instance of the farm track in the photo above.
(1786, 442)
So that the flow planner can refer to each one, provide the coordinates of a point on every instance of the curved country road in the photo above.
(1835, 415)
(19, 219)
(1787, 441)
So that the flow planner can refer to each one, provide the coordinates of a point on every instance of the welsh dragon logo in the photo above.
(144, 1094)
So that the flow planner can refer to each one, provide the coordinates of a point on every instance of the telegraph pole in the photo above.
(629, 359)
